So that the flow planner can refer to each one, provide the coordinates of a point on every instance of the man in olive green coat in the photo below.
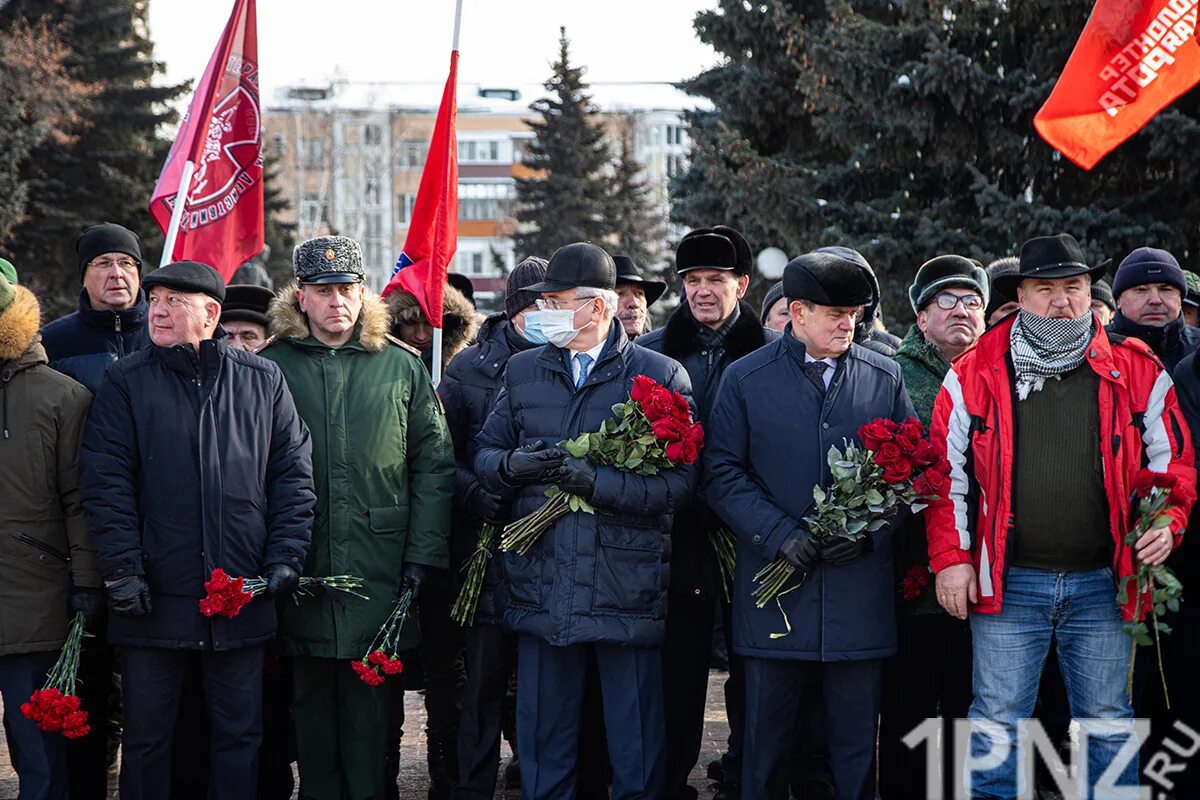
(384, 470)
(47, 568)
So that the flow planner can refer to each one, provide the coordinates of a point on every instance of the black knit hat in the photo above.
(826, 280)
(1103, 292)
(104, 238)
(245, 302)
(191, 277)
(942, 272)
(517, 297)
(998, 269)
(1148, 265)
(774, 295)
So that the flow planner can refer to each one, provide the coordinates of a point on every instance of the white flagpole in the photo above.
(436, 366)
(185, 185)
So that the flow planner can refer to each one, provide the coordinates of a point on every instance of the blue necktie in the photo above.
(583, 360)
(815, 370)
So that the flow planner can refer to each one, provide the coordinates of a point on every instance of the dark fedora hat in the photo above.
(578, 264)
(1049, 258)
(628, 272)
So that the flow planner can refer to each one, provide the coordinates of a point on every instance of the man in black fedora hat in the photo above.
(636, 295)
(779, 410)
(593, 585)
(1046, 423)
(712, 328)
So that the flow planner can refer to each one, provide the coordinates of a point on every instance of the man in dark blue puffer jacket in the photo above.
(594, 584)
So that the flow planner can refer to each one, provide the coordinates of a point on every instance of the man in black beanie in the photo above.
(1103, 303)
(710, 330)
(1149, 287)
(193, 459)
(468, 391)
(805, 393)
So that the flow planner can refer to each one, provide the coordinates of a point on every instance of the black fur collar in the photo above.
(680, 334)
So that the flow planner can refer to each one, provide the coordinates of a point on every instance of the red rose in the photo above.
(682, 452)
(875, 433)
(696, 432)
(669, 429)
(643, 387)
(924, 454)
(912, 427)
(681, 406)
(898, 472)
(888, 454)
(659, 404)
(931, 484)
(1145, 482)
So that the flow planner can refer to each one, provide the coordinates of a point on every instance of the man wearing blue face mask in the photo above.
(594, 585)
(468, 391)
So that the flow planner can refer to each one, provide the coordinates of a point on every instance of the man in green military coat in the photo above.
(384, 471)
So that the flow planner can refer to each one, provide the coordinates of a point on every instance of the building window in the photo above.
(373, 225)
(470, 263)
(485, 201)
(371, 193)
(675, 134)
(479, 152)
(312, 153)
(411, 155)
(372, 135)
(404, 208)
(310, 209)
(675, 165)
(279, 145)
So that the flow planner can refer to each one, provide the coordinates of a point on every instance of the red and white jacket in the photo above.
(1141, 426)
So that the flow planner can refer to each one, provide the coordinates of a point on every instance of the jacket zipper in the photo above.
(45, 548)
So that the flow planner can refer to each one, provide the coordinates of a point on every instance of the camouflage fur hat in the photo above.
(1192, 298)
(328, 259)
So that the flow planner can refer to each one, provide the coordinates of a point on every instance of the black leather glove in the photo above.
(802, 551)
(530, 464)
(487, 506)
(575, 476)
(840, 550)
(129, 597)
(411, 578)
(89, 602)
(281, 579)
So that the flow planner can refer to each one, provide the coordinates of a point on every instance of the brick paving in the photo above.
(414, 780)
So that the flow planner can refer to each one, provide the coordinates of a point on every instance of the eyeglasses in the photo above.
(971, 302)
(126, 264)
(558, 305)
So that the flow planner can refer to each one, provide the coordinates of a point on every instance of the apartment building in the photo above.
(350, 158)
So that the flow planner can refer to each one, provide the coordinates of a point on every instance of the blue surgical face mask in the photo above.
(533, 328)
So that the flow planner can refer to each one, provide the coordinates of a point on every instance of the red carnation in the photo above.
(643, 387)
(366, 673)
(393, 666)
(377, 657)
(916, 580)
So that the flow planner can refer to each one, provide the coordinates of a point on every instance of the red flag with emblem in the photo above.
(222, 222)
(433, 234)
(1132, 60)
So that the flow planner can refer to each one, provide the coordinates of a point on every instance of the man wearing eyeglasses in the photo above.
(111, 320)
(931, 674)
(110, 323)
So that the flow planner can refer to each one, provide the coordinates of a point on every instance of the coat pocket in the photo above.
(630, 577)
(37, 557)
(388, 519)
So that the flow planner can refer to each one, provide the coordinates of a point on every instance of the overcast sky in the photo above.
(502, 43)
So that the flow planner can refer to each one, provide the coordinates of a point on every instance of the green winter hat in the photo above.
(8, 279)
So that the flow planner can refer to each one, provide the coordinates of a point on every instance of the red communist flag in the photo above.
(1133, 59)
(222, 223)
(433, 234)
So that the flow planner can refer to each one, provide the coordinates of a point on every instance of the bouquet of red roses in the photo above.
(896, 466)
(381, 659)
(1157, 585)
(650, 432)
(55, 707)
(225, 595)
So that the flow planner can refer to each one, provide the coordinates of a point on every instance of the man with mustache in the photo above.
(931, 674)
(636, 295)
(1149, 287)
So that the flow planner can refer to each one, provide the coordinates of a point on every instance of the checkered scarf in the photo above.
(1044, 348)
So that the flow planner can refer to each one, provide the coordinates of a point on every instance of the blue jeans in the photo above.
(1079, 610)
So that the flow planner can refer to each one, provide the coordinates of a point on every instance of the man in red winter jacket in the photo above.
(1046, 423)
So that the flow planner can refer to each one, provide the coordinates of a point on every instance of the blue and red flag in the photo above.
(433, 233)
